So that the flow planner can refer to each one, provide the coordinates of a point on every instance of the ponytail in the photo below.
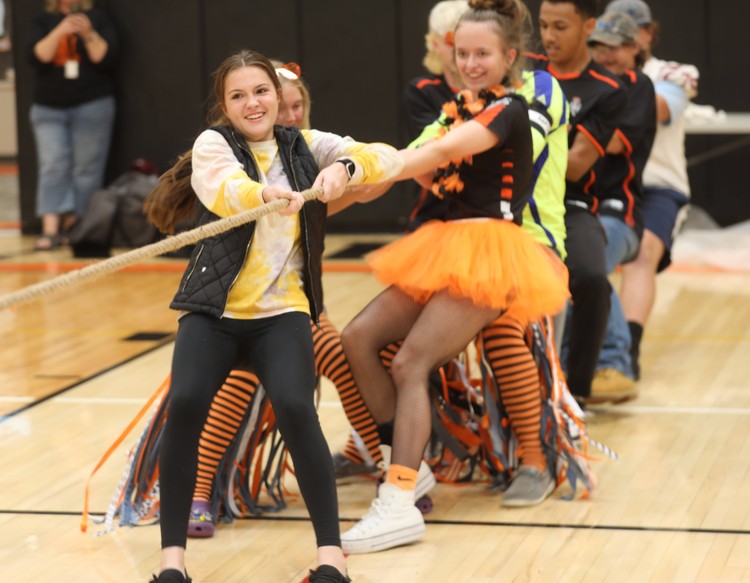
(173, 199)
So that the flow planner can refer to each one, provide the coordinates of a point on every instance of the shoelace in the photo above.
(372, 517)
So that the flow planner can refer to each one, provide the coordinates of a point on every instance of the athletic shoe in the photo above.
(528, 487)
(201, 523)
(171, 576)
(610, 385)
(327, 574)
(425, 479)
(343, 467)
(391, 521)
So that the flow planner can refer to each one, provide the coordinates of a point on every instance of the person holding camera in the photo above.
(73, 47)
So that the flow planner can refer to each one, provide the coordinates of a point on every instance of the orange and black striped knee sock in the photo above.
(330, 361)
(388, 353)
(351, 451)
(520, 390)
(224, 419)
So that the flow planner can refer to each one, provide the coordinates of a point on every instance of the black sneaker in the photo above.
(171, 576)
(327, 574)
(343, 467)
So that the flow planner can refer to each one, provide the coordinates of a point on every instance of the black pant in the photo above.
(590, 291)
(279, 350)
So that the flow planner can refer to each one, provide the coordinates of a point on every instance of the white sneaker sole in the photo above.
(381, 542)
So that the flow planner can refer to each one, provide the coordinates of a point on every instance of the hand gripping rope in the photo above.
(100, 268)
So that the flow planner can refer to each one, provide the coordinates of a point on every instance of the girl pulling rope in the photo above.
(247, 295)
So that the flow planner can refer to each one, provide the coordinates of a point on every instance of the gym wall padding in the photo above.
(356, 56)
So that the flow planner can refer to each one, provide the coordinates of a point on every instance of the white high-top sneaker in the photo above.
(425, 479)
(391, 521)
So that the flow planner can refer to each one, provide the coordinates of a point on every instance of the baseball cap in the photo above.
(614, 29)
(638, 10)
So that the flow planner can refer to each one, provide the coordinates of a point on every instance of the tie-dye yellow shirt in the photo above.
(270, 281)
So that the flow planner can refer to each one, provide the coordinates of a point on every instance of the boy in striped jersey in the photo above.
(597, 100)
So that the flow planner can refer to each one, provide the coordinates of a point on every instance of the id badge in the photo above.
(71, 69)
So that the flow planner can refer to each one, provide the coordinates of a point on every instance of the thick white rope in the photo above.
(172, 243)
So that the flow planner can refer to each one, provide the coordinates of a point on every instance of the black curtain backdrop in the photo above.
(356, 56)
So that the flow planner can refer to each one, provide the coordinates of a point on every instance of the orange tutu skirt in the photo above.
(493, 263)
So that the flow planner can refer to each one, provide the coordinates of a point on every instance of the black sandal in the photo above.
(48, 243)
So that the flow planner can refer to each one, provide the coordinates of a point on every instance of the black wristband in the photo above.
(349, 165)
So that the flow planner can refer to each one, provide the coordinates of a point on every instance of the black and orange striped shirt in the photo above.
(619, 184)
(423, 99)
(495, 183)
(597, 101)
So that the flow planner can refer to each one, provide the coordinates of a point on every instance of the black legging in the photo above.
(279, 350)
(590, 291)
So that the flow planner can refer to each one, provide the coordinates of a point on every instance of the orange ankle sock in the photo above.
(403, 477)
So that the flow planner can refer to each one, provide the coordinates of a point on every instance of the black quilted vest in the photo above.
(216, 261)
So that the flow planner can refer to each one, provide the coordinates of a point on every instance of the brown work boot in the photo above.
(611, 386)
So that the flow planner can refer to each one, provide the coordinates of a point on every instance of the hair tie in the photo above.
(291, 71)
(449, 38)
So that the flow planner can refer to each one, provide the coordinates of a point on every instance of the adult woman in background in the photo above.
(73, 47)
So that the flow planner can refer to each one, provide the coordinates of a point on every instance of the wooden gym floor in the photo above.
(76, 367)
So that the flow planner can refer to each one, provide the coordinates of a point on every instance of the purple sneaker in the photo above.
(201, 523)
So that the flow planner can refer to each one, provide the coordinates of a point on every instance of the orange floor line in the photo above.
(346, 268)
(8, 169)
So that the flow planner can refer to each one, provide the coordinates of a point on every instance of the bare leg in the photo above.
(384, 320)
(638, 287)
(443, 329)
(433, 333)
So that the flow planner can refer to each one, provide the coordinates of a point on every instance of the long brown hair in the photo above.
(173, 199)
(512, 22)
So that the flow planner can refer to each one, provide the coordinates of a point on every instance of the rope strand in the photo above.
(172, 243)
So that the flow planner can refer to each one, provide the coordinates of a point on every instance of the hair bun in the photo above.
(505, 7)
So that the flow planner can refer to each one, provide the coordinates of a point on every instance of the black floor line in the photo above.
(611, 527)
(6, 416)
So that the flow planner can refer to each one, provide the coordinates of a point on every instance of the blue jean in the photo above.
(72, 146)
(622, 246)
